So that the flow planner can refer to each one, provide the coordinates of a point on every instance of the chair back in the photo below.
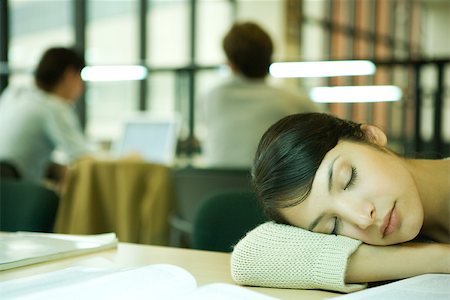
(194, 184)
(223, 219)
(26, 206)
(9, 170)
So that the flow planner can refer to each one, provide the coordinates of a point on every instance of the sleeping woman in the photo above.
(345, 209)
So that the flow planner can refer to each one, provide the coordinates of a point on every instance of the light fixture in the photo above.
(113, 73)
(352, 94)
(322, 68)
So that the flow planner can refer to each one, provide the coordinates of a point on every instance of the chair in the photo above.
(194, 184)
(26, 206)
(8, 170)
(223, 219)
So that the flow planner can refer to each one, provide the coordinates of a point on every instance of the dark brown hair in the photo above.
(249, 48)
(54, 62)
(289, 154)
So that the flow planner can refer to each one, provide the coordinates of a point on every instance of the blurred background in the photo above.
(179, 44)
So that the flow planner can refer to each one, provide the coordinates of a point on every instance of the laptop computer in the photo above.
(152, 137)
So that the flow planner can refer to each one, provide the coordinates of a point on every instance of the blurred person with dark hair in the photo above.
(237, 112)
(37, 119)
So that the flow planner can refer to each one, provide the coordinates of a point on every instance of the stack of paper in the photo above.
(25, 248)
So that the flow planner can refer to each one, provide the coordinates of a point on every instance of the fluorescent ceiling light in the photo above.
(349, 94)
(322, 68)
(113, 73)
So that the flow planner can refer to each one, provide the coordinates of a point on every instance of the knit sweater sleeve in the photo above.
(283, 256)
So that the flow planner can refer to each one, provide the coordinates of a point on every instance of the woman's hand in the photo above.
(378, 263)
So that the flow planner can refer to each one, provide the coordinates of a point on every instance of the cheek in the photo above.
(411, 213)
(80, 84)
(78, 89)
(389, 179)
(292, 215)
(367, 236)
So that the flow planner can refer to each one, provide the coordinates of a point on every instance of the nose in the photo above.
(358, 212)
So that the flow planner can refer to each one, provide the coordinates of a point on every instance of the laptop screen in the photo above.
(154, 139)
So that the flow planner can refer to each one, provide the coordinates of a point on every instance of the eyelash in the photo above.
(352, 178)
(350, 183)
(335, 227)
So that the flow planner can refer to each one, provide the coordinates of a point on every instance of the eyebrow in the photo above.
(330, 185)
(330, 174)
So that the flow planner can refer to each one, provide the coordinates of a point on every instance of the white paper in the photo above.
(224, 291)
(34, 284)
(428, 286)
(158, 281)
(23, 248)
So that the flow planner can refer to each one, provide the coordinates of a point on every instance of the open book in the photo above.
(428, 286)
(24, 248)
(158, 281)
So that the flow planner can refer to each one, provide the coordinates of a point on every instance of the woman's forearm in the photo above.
(378, 263)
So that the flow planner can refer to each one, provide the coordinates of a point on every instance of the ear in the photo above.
(234, 69)
(374, 134)
(66, 78)
(71, 73)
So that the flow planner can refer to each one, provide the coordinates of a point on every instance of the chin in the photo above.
(393, 239)
(411, 223)
(406, 236)
(414, 234)
(413, 229)
(388, 242)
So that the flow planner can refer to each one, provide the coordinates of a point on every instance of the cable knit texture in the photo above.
(283, 256)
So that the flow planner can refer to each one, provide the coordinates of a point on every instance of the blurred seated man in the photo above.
(237, 112)
(36, 119)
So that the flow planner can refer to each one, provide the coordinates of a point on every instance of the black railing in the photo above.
(417, 145)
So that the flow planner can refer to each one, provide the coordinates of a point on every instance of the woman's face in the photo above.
(77, 84)
(72, 85)
(361, 192)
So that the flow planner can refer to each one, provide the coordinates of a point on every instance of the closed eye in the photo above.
(335, 227)
(352, 179)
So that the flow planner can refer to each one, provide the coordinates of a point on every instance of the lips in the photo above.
(390, 222)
